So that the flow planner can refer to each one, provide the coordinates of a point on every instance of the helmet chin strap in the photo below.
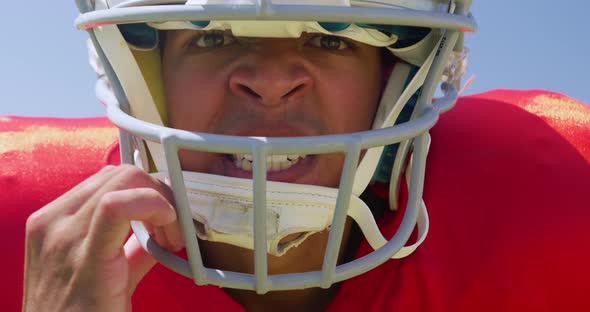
(389, 109)
(223, 210)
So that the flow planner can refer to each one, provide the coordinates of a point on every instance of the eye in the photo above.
(329, 42)
(213, 39)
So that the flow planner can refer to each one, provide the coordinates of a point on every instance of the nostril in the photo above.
(249, 91)
(293, 91)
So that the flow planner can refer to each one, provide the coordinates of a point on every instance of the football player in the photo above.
(275, 149)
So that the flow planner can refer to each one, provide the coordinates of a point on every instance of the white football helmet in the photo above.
(424, 35)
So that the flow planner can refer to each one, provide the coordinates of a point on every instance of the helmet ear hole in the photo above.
(139, 36)
(416, 50)
(410, 37)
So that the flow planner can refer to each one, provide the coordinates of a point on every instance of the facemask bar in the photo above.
(414, 4)
(268, 11)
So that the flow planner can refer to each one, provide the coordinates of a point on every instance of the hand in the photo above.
(76, 255)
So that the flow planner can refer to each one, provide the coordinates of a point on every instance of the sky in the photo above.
(523, 44)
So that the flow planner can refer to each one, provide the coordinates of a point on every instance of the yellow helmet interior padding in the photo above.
(150, 64)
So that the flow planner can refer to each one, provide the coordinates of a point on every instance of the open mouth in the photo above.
(274, 163)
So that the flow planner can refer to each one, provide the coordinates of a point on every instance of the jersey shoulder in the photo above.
(42, 157)
(523, 116)
(506, 189)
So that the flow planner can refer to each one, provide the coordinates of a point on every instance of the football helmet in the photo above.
(425, 37)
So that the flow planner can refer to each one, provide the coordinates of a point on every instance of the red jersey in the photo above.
(507, 183)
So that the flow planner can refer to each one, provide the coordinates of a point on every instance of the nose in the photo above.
(271, 73)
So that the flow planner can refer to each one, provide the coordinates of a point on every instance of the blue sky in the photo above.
(523, 44)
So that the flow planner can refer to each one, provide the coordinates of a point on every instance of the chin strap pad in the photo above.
(223, 211)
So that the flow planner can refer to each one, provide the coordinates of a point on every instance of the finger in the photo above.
(43, 223)
(110, 226)
(122, 177)
(168, 236)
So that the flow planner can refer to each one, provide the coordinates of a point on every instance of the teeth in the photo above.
(273, 163)
(246, 165)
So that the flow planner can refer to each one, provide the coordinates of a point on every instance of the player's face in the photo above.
(313, 85)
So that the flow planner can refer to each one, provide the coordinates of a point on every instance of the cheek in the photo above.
(193, 107)
(352, 104)
(190, 102)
